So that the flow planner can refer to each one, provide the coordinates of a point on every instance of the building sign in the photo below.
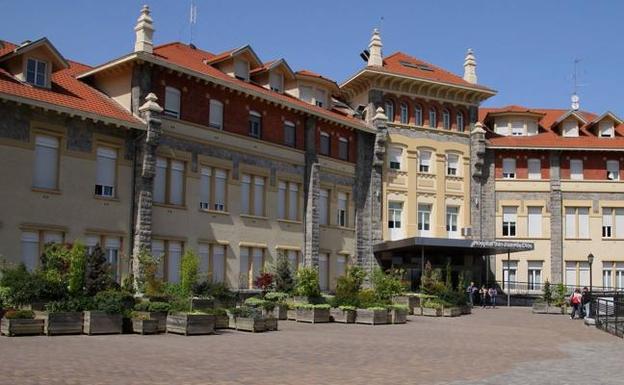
(511, 246)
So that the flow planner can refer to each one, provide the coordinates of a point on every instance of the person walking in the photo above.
(483, 292)
(470, 292)
(575, 301)
(586, 303)
(492, 293)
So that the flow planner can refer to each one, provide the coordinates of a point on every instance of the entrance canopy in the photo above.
(452, 246)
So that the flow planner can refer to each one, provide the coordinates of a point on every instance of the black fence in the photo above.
(609, 314)
(537, 288)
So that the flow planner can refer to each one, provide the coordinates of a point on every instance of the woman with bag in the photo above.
(575, 301)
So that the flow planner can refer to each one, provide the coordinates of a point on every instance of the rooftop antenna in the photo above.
(575, 98)
(192, 19)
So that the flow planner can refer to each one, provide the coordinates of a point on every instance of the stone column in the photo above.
(556, 219)
(312, 185)
(144, 183)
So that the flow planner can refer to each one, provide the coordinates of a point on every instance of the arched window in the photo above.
(446, 119)
(433, 118)
(404, 113)
(390, 110)
(460, 122)
(418, 117)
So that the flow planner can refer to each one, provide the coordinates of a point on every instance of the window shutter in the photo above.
(245, 193)
(576, 169)
(30, 249)
(218, 264)
(276, 81)
(305, 93)
(257, 263)
(241, 69)
(105, 170)
(159, 180)
(46, 162)
(619, 223)
(259, 196)
(323, 271)
(281, 200)
(244, 267)
(204, 188)
(52, 237)
(172, 102)
(158, 251)
(583, 218)
(293, 201)
(341, 261)
(173, 262)
(220, 188)
(203, 251)
(323, 206)
(216, 114)
(176, 186)
(535, 171)
(570, 222)
(292, 258)
(535, 221)
(395, 155)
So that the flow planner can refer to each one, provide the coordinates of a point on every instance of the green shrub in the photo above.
(75, 304)
(113, 302)
(347, 308)
(431, 282)
(282, 275)
(260, 303)
(19, 314)
(137, 315)
(189, 272)
(366, 297)
(547, 295)
(309, 306)
(398, 307)
(560, 295)
(98, 275)
(147, 281)
(21, 287)
(217, 311)
(276, 296)
(219, 291)
(349, 285)
(152, 306)
(77, 268)
(387, 285)
(453, 297)
(245, 312)
(55, 260)
(307, 283)
(377, 308)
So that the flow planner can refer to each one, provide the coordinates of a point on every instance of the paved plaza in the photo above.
(492, 346)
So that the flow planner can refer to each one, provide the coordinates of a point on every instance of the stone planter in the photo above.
(190, 324)
(411, 301)
(342, 316)
(147, 326)
(466, 309)
(397, 316)
(418, 311)
(451, 311)
(61, 323)
(270, 323)
(160, 316)
(431, 312)
(99, 322)
(313, 315)
(291, 314)
(222, 322)
(371, 317)
(250, 324)
(21, 327)
(202, 304)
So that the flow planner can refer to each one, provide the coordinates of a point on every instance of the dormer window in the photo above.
(241, 70)
(320, 98)
(570, 128)
(517, 128)
(605, 129)
(37, 72)
(276, 82)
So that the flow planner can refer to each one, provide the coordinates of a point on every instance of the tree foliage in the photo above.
(189, 271)
(307, 282)
(349, 285)
(282, 275)
(98, 272)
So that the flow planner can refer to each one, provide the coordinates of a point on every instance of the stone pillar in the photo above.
(141, 83)
(144, 184)
(312, 185)
(556, 219)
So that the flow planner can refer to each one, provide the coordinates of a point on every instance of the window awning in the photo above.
(452, 246)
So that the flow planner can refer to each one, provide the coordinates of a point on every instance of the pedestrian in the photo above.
(575, 301)
(475, 293)
(484, 294)
(492, 293)
(586, 303)
(470, 291)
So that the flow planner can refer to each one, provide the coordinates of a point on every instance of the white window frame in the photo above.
(173, 102)
(576, 169)
(606, 129)
(395, 220)
(459, 121)
(216, 114)
(452, 164)
(510, 222)
(389, 105)
(46, 162)
(577, 223)
(39, 78)
(404, 113)
(424, 219)
(424, 161)
(613, 170)
(509, 168)
(342, 210)
(276, 81)
(534, 221)
(106, 171)
(534, 274)
(517, 128)
(418, 116)
(534, 166)
(452, 221)
(433, 118)
(446, 119)
(395, 157)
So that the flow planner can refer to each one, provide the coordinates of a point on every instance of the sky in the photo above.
(525, 49)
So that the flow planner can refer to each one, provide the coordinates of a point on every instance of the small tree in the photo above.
(55, 261)
(264, 282)
(387, 284)
(189, 271)
(349, 285)
(307, 283)
(147, 282)
(448, 282)
(77, 267)
(282, 275)
(547, 293)
(431, 282)
(97, 272)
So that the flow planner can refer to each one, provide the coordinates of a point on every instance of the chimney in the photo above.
(470, 67)
(375, 58)
(144, 32)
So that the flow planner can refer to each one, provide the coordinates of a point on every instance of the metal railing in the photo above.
(609, 314)
(537, 288)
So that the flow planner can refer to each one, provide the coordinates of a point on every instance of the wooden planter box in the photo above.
(466, 309)
(279, 312)
(61, 323)
(270, 323)
(313, 315)
(342, 316)
(250, 324)
(371, 317)
(418, 311)
(147, 326)
(396, 316)
(21, 327)
(451, 311)
(430, 312)
(544, 308)
(222, 322)
(160, 316)
(291, 314)
(411, 301)
(190, 324)
(99, 322)
(202, 304)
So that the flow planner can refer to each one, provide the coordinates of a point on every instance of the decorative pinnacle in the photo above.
(150, 104)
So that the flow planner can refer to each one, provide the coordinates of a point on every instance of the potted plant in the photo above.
(222, 321)
(106, 313)
(397, 314)
(372, 315)
(449, 310)
(190, 323)
(411, 300)
(432, 308)
(291, 311)
(313, 313)
(64, 317)
(307, 287)
(247, 319)
(142, 324)
(550, 302)
(279, 299)
(264, 305)
(343, 314)
(154, 310)
(20, 323)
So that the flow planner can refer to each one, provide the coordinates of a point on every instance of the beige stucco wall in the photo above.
(117, 86)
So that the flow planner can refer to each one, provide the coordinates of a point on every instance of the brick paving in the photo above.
(491, 346)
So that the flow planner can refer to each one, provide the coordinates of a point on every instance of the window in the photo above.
(605, 128)
(425, 161)
(424, 219)
(607, 223)
(390, 110)
(535, 275)
(241, 70)
(394, 158)
(577, 273)
(305, 93)
(502, 127)
(293, 258)
(452, 164)
(106, 164)
(532, 128)
(517, 128)
(418, 117)
(174, 256)
(446, 119)
(343, 205)
(535, 168)
(452, 218)
(172, 102)
(45, 175)
(212, 186)
(255, 124)
(320, 98)
(212, 262)
(576, 169)
(460, 122)
(323, 267)
(290, 134)
(341, 262)
(613, 223)
(112, 247)
(30, 249)
(404, 113)
(607, 275)
(324, 207)
(325, 145)
(343, 148)
(158, 251)
(613, 170)
(510, 273)
(169, 181)
(37, 73)
(395, 212)
(509, 221)
(619, 275)
(216, 114)
(570, 128)
(534, 221)
(257, 264)
(288, 201)
(203, 252)
(433, 120)
(577, 222)
(276, 81)
(251, 266)
(509, 168)
(252, 195)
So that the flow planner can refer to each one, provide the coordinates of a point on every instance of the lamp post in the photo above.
(590, 260)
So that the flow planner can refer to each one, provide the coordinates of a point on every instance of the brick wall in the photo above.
(522, 159)
(594, 164)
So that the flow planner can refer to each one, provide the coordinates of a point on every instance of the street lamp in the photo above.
(590, 260)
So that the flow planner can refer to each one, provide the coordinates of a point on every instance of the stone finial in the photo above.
(150, 104)
(375, 57)
(470, 67)
(478, 129)
(144, 30)
(380, 115)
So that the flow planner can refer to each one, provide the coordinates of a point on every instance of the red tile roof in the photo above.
(549, 136)
(66, 91)
(403, 64)
(195, 59)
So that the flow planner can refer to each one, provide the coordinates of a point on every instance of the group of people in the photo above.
(580, 302)
(485, 296)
